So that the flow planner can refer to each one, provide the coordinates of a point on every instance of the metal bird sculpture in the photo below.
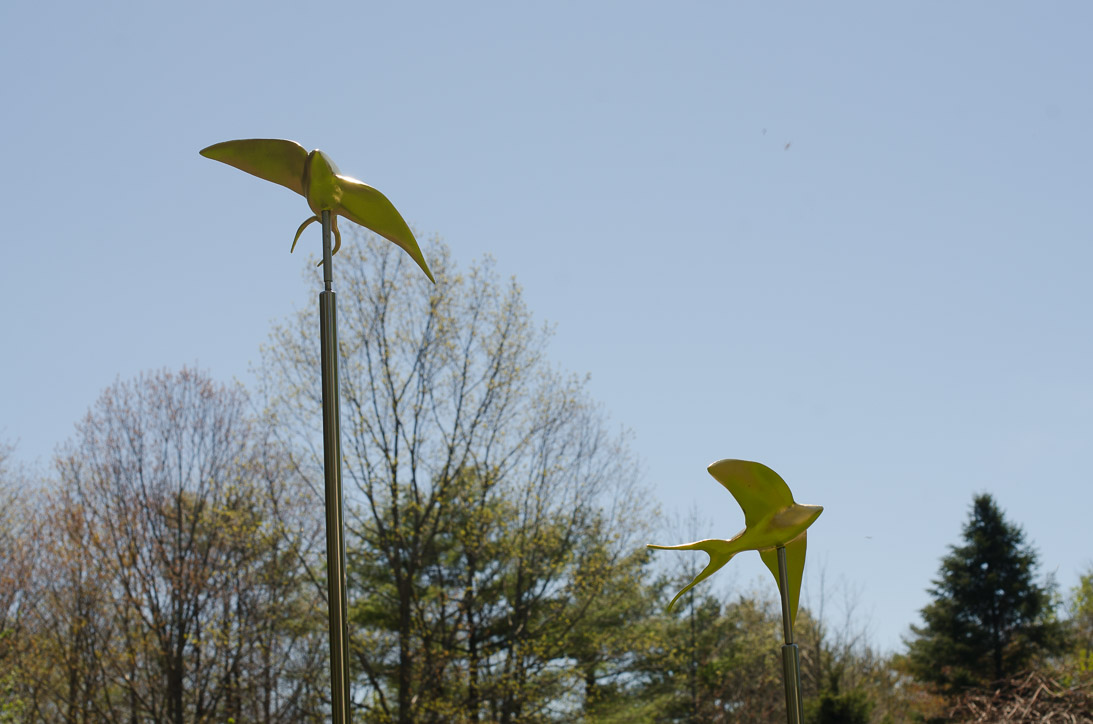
(772, 520)
(315, 177)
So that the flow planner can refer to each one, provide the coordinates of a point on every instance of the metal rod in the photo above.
(332, 466)
(791, 673)
(783, 591)
(791, 656)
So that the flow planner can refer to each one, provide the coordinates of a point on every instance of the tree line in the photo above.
(170, 569)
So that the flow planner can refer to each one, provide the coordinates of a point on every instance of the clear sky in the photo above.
(848, 240)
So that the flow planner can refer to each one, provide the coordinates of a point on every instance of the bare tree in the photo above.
(16, 573)
(173, 593)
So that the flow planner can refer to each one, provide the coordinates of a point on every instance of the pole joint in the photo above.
(791, 658)
(328, 264)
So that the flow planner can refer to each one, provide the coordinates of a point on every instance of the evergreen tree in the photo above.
(835, 707)
(989, 617)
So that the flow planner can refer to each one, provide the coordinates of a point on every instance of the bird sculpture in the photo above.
(315, 177)
(771, 518)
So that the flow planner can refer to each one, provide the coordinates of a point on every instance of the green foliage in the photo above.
(12, 705)
(989, 617)
(1080, 624)
(709, 661)
(1081, 605)
(834, 707)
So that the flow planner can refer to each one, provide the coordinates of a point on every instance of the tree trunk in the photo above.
(472, 640)
(405, 653)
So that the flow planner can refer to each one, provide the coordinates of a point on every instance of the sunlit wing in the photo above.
(273, 159)
(758, 489)
(364, 205)
(720, 553)
(795, 569)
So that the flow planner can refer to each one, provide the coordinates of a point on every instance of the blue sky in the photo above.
(848, 240)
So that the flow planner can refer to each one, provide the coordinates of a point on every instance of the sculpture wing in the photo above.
(272, 159)
(758, 489)
(795, 569)
(720, 552)
(364, 205)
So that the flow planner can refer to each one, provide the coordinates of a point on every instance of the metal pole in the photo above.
(791, 657)
(332, 466)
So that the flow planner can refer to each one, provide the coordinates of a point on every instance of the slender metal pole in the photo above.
(791, 657)
(332, 466)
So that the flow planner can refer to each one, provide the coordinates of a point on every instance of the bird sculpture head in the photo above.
(772, 520)
(315, 177)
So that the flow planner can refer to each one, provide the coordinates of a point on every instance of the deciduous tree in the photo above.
(489, 508)
(169, 593)
(16, 567)
(1080, 621)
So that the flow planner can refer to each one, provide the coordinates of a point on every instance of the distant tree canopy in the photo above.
(173, 569)
(989, 616)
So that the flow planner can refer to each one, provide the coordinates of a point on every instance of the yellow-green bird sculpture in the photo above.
(315, 177)
(771, 519)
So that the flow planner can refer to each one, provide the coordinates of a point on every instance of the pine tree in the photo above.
(989, 617)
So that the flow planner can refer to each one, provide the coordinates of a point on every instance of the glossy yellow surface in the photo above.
(771, 519)
(315, 177)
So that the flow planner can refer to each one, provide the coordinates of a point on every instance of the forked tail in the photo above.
(720, 552)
